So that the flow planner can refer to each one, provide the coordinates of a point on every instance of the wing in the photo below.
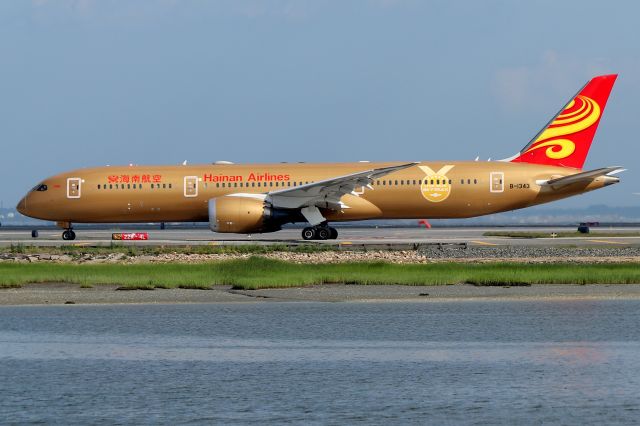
(585, 177)
(327, 193)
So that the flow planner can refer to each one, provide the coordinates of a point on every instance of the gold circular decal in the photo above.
(435, 188)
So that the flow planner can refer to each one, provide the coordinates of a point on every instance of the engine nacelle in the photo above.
(242, 215)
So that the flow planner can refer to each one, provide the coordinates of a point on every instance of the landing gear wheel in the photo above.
(308, 233)
(68, 235)
(323, 233)
(334, 233)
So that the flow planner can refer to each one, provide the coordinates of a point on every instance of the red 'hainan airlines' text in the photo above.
(252, 177)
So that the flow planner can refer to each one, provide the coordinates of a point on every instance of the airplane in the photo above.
(259, 198)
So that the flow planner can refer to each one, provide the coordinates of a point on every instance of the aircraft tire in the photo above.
(68, 235)
(323, 233)
(334, 233)
(309, 233)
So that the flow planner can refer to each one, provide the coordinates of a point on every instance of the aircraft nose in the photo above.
(22, 205)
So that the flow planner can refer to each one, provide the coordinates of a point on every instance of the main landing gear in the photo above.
(68, 234)
(321, 232)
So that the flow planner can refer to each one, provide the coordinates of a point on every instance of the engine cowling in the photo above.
(242, 215)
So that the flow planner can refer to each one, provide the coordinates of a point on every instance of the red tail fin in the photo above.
(566, 139)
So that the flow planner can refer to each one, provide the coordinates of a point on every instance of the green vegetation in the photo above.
(597, 234)
(258, 272)
(149, 250)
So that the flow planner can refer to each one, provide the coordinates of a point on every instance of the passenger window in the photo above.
(475, 181)
(98, 186)
(468, 181)
(462, 181)
(449, 181)
(128, 186)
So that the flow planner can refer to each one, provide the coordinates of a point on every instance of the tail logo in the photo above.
(580, 114)
(435, 186)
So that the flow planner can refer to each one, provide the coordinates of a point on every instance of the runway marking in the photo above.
(607, 242)
(484, 243)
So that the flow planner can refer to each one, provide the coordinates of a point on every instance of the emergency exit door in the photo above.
(497, 182)
(74, 187)
(190, 186)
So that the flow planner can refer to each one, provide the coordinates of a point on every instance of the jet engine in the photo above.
(242, 215)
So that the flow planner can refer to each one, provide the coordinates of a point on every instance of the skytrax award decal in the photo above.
(435, 186)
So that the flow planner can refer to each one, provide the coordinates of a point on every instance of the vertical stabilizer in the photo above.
(566, 139)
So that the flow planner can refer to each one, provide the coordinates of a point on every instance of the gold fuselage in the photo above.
(181, 193)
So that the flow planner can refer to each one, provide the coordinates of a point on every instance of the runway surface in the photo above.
(384, 237)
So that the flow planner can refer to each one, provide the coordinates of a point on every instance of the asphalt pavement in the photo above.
(348, 236)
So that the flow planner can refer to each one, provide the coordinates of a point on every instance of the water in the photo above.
(573, 362)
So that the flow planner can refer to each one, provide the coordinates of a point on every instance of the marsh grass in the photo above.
(258, 272)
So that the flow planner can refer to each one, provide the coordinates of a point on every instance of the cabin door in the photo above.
(497, 182)
(74, 187)
(191, 186)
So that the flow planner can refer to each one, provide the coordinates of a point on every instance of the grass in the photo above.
(258, 272)
(523, 234)
(141, 250)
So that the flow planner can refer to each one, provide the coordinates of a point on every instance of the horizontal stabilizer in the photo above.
(584, 177)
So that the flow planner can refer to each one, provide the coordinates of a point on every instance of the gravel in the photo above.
(424, 254)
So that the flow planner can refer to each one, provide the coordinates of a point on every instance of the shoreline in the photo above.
(55, 294)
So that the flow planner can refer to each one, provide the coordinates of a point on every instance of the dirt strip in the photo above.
(73, 295)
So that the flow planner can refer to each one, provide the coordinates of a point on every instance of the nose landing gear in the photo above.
(321, 232)
(69, 234)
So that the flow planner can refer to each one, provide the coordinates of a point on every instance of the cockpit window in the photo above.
(41, 188)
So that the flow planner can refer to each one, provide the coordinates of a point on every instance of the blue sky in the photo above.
(89, 83)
